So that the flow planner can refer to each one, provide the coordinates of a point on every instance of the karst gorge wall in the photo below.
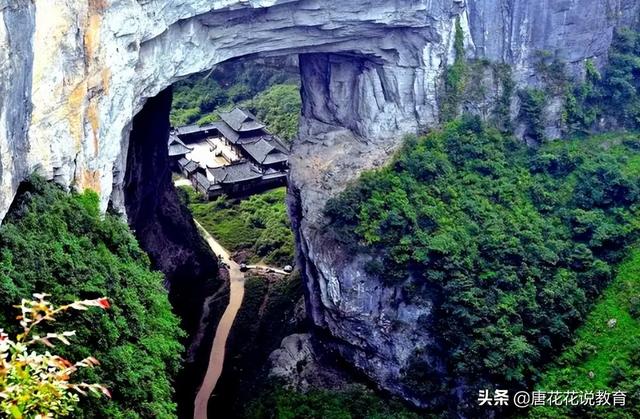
(73, 74)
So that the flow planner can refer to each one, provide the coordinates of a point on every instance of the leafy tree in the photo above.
(454, 78)
(532, 104)
(258, 225)
(59, 243)
(279, 107)
(271, 92)
(515, 243)
(353, 403)
(611, 97)
(584, 101)
(32, 384)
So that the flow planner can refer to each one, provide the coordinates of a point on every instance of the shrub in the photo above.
(454, 78)
(532, 103)
(58, 242)
(514, 243)
(36, 384)
(258, 225)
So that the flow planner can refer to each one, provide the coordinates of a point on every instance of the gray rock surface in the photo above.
(73, 75)
(513, 30)
(301, 363)
(295, 362)
(16, 56)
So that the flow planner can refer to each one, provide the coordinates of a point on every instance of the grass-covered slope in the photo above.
(58, 243)
(258, 225)
(605, 355)
(513, 245)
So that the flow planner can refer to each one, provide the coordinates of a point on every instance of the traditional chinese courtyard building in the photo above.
(235, 156)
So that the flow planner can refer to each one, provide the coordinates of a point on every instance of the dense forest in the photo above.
(58, 243)
(605, 354)
(269, 90)
(515, 243)
(258, 226)
(355, 402)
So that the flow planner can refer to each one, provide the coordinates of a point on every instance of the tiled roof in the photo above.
(275, 158)
(201, 179)
(241, 120)
(237, 172)
(226, 131)
(264, 151)
(177, 147)
(258, 150)
(193, 128)
(188, 165)
(275, 175)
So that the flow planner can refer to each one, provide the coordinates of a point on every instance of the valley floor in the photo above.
(236, 296)
(216, 358)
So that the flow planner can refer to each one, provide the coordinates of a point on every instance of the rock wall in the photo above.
(73, 74)
(513, 30)
(92, 65)
(16, 57)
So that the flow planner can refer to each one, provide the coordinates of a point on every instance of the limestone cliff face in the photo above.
(16, 58)
(73, 74)
(513, 30)
(89, 67)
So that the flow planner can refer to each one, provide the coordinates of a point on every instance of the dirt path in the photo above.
(236, 295)
(216, 358)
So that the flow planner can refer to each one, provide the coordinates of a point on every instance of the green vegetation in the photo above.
(603, 356)
(583, 102)
(454, 79)
(36, 384)
(279, 107)
(271, 93)
(612, 98)
(258, 225)
(267, 305)
(194, 98)
(515, 244)
(469, 84)
(267, 315)
(58, 243)
(264, 319)
(355, 403)
(532, 104)
(502, 112)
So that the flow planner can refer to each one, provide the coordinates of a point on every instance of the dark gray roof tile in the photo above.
(237, 172)
(241, 120)
(264, 151)
(177, 147)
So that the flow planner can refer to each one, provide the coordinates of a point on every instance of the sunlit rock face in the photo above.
(89, 67)
(74, 73)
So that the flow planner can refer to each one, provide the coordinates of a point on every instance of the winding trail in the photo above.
(216, 357)
(236, 295)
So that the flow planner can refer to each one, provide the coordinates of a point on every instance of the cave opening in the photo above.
(307, 107)
(167, 206)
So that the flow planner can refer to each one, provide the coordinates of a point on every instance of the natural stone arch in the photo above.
(134, 50)
(76, 73)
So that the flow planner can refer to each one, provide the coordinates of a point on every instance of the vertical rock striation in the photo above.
(17, 25)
